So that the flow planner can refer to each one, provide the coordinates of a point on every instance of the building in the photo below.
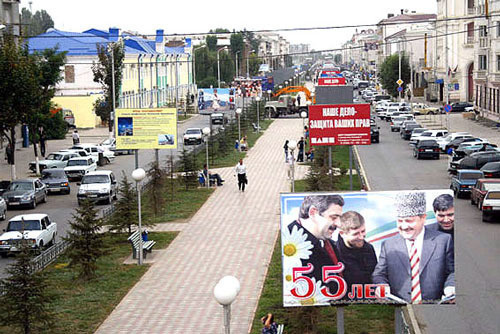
(273, 49)
(299, 53)
(153, 75)
(9, 15)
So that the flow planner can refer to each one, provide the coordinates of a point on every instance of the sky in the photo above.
(197, 16)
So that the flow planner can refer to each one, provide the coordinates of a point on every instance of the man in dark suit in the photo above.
(318, 218)
(445, 215)
(418, 263)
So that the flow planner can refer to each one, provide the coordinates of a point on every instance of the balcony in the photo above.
(469, 40)
(484, 42)
(471, 11)
(480, 75)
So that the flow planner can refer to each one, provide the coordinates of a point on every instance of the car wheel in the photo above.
(4, 215)
(472, 201)
(68, 191)
(44, 199)
(109, 199)
(51, 242)
(485, 217)
(33, 204)
(4, 255)
(437, 157)
(430, 113)
(107, 161)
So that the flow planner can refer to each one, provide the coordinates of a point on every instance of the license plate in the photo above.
(14, 203)
(92, 196)
(429, 150)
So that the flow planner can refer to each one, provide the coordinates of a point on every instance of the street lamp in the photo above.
(257, 99)
(292, 145)
(194, 73)
(248, 63)
(236, 56)
(218, 65)
(206, 133)
(238, 113)
(138, 175)
(225, 292)
(269, 95)
(304, 116)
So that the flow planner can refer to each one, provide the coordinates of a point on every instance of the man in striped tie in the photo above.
(418, 263)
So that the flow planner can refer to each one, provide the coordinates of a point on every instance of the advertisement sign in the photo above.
(391, 247)
(146, 128)
(331, 81)
(213, 99)
(329, 73)
(339, 124)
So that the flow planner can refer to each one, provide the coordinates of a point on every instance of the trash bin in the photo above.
(100, 160)
(26, 136)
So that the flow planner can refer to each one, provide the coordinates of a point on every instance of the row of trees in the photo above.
(26, 90)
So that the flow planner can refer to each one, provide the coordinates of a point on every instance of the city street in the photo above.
(390, 165)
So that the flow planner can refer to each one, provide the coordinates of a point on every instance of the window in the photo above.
(482, 62)
(498, 28)
(69, 74)
(498, 63)
(483, 31)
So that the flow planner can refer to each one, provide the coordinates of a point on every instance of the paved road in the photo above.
(61, 207)
(391, 166)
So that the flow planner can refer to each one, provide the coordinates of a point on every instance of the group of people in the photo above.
(241, 144)
(247, 88)
(417, 264)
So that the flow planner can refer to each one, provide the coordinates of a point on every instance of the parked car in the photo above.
(375, 133)
(53, 160)
(443, 141)
(429, 134)
(464, 180)
(491, 204)
(397, 121)
(491, 169)
(479, 190)
(78, 167)
(25, 192)
(456, 142)
(407, 129)
(3, 186)
(193, 136)
(424, 109)
(3, 209)
(474, 161)
(37, 228)
(462, 106)
(95, 151)
(426, 148)
(98, 186)
(110, 144)
(56, 181)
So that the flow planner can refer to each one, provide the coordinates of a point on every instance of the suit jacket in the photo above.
(437, 266)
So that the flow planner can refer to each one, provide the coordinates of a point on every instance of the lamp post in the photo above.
(257, 100)
(206, 133)
(236, 58)
(292, 145)
(138, 175)
(269, 99)
(225, 292)
(304, 116)
(248, 63)
(194, 73)
(218, 65)
(238, 113)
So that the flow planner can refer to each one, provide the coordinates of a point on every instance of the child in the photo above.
(270, 327)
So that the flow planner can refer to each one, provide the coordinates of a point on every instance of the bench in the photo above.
(256, 128)
(147, 246)
(280, 329)
(201, 180)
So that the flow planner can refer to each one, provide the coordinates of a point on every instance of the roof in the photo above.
(100, 172)
(31, 216)
(409, 18)
(396, 35)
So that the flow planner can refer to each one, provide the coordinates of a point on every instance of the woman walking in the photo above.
(285, 147)
(241, 170)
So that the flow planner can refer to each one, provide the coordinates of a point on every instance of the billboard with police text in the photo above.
(331, 81)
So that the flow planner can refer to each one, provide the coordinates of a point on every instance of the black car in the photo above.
(457, 141)
(408, 130)
(426, 148)
(460, 106)
(491, 169)
(375, 134)
(474, 161)
(56, 180)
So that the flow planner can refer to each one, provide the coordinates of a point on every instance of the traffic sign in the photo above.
(400, 89)
(447, 108)
(399, 82)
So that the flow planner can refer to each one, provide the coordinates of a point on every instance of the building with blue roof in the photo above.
(153, 74)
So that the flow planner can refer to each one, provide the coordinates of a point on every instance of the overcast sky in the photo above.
(196, 16)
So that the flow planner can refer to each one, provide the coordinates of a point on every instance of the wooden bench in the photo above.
(280, 329)
(255, 127)
(147, 246)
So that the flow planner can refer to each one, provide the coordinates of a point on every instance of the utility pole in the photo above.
(446, 81)
(399, 54)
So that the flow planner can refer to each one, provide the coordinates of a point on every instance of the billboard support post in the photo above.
(340, 320)
(330, 162)
(398, 320)
(136, 154)
(350, 167)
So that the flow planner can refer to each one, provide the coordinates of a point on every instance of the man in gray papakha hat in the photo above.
(418, 263)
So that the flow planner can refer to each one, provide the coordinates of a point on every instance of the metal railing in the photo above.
(48, 256)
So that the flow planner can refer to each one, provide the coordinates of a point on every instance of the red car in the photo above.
(481, 188)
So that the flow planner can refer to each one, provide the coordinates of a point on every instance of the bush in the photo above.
(55, 127)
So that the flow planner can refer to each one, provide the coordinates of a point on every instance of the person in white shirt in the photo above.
(76, 137)
(290, 159)
(241, 171)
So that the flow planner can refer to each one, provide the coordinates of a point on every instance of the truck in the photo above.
(285, 105)
(37, 229)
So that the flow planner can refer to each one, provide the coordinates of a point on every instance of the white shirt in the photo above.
(419, 243)
(241, 169)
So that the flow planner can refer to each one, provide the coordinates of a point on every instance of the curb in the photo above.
(414, 326)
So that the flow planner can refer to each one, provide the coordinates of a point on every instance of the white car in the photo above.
(193, 136)
(78, 167)
(397, 122)
(110, 144)
(443, 141)
(429, 134)
(491, 204)
(94, 150)
(98, 186)
(3, 209)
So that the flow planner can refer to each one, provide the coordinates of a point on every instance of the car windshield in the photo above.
(427, 143)
(471, 176)
(107, 142)
(89, 179)
(192, 131)
(491, 165)
(54, 156)
(426, 134)
(21, 186)
(52, 174)
(493, 195)
(399, 119)
(78, 162)
(19, 225)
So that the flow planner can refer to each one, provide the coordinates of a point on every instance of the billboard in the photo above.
(146, 128)
(339, 124)
(368, 247)
(331, 81)
(213, 99)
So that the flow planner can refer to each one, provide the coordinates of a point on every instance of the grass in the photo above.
(80, 307)
(183, 117)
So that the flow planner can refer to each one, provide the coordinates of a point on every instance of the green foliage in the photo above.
(211, 42)
(55, 127)
(319, 177)
(156, 185)
(109, 56)
(254, 63)
(86, 241)
(207, 82)
(389, 73)
(125, 214)
(37, 24)
(24, 303)
(337, 58)
(189, 168)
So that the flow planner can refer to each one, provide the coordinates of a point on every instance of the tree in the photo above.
(337, 58)
(86, 241)
(125, 214)
(24, 299)
(156, 184)
(389, 73)
(189, 168)
(36, 24)
(211, 42)
(109, 56)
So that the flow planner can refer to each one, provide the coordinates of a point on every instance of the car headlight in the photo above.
(81, 191)
(4, 242)
(32, 241)
(64, 184)
(103, 191)
(27, 197)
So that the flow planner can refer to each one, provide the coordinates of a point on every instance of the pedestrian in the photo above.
(298, 100)
(42, 142)
(270, 327)
(285, 147)
(241, 170)
(9, 154)
(76, 137)
(300, 144)
(236, 144)
(290, 165)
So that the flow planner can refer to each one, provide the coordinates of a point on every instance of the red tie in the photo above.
(331, 253)
(416, 294)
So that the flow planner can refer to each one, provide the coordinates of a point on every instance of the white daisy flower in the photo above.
(317, 298)
(295, 247)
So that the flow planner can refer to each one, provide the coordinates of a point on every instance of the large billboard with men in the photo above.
(368, 247)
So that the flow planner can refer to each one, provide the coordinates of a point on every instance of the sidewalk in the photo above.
(232, 234)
